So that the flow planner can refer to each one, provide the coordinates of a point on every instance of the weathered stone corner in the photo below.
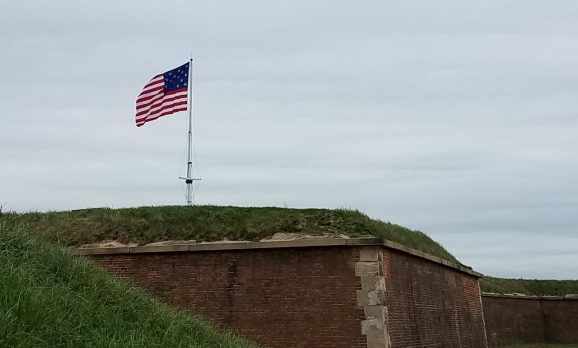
(372, 297)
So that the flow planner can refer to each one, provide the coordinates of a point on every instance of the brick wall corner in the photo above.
(371, 297)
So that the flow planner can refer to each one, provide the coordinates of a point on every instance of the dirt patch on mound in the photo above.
(274, 238)
(293, 236)
(108, 244)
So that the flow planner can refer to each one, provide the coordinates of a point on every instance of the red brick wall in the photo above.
(561, 320)
(513, 320)
(298, 297)
(308, 297)
(430, 305)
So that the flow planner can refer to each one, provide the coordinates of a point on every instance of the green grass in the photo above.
(210, 223)
(529, 286)
(48, 298)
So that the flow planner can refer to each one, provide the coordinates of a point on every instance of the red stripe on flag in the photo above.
(179, 104)
(159, 116)
(144, 109)
(145, 94)
(152, 98)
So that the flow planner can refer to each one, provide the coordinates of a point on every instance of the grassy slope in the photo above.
(50, 299)
(209, 223)
(529, 286)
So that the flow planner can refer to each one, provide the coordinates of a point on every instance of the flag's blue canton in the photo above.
(177, 78)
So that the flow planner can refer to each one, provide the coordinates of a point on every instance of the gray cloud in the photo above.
(455, 118)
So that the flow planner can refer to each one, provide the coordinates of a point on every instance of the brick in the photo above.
(279, 297)
(307, 296)
(514, 320)
(431, 305)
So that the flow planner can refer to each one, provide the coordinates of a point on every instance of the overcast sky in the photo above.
(456, 118)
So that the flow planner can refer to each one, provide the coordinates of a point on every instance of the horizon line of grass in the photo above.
(533, 287)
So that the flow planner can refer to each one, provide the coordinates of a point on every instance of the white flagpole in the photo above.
(189, 178)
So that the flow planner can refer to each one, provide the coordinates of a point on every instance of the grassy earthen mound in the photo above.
(144, 225)
(50, 298)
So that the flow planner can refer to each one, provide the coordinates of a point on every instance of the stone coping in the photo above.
(571, 297)
(294, 243)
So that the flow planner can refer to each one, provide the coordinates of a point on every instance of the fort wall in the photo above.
(358, 292)
(513, 319)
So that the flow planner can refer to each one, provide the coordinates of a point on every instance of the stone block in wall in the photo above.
(372, 297)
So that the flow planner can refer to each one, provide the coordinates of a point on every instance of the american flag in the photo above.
(163, 95)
